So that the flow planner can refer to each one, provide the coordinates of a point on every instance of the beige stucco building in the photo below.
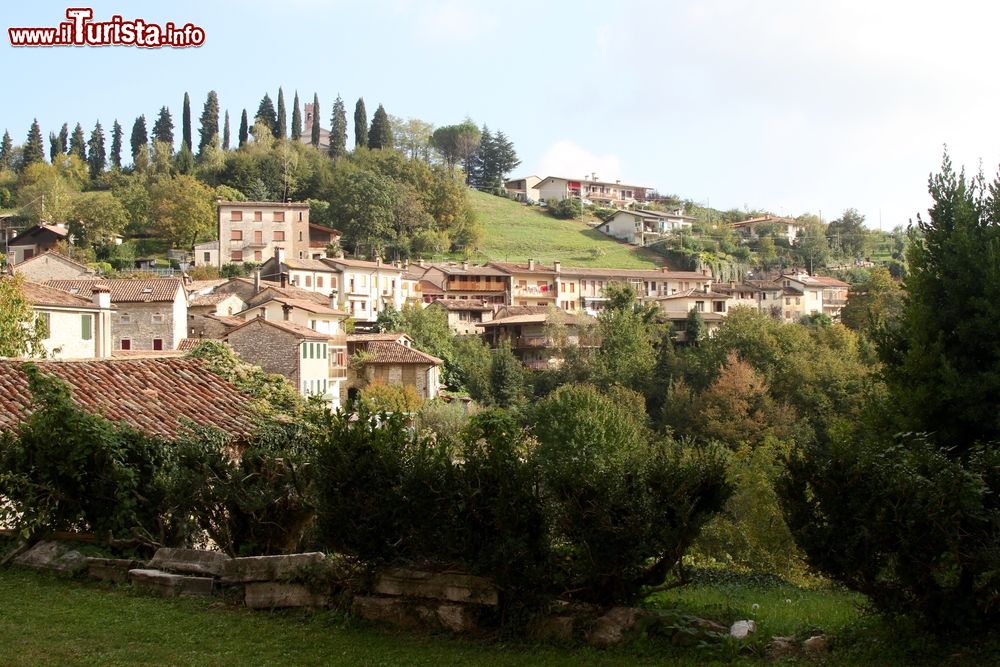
(78, 327)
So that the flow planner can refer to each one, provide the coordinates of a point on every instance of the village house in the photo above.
(468, 282)
(523, 189)
(553, 189)
(314, 275)
(78, 327)
(641, 227)
(713, 307)
(741, 294)
(304, 312)
(35, 240)
(390, 359)
(148, 315)
(833, 292)
(254, 231)
(51, 265)
(530, 284)
(538, 334)
(465, 317)
(582, 289)
(206, 254)
(314, 362)
(786, 227)
(157, 396)
(366, 288)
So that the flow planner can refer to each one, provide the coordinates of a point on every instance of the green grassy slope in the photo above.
(515, 232)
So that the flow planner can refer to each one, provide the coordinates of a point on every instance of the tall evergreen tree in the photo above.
(116, 145)
(186, 123)
(6, 151)
(296, 118)
(266, 113)
(244, 130)
(338, 130)
(505, 157)
(225, 133)
(97, 154)
(140, 137)
(163, 128)
(282, 116)
(314, 129)
(360, 124)
(34, 147)
(55, 150)
(209, 130)
(78, 143)
(380, 135)
(64, 137)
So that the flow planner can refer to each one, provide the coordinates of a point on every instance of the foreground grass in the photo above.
(515, 232)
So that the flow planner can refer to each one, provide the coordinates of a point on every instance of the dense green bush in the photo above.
(566, 209)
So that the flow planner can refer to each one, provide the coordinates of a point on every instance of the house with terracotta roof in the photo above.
(538, 334)
(641, 227)
(391, 359)
(787, 227)
(552, 189)
(465, 281)
(303, 312)
(366, 288)
(583, 289)
(149, 314)
(158, 396)
(465, 316)
(713, 307)
(78, 327)
(51, 265)
(252, 231)
(35, 240)
(530, 283)
(832, 292)
(523, 189)
(314, 362)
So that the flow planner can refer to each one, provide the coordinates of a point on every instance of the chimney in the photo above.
(101, 296)
(465, 266)
(279, 253)
(256, 280)
(286, 312)
(531, 265)
(406, 264)
(378, 260)
(558, 266)
(284, 279)
(706, 288)
(421, 263)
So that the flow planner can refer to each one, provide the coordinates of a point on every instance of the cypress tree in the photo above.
(163, 128)
(314, 129)
(6, 151)
(97, 155)
(225, 133)
(78, 143)
(296, 118)
(266, 113)
(54, 147)
(380, 135)
(64, 137)
(209, 130)
(139, 137)
(186, 122)
(338, 130)
(116, 145)
(34, 148)
(360, 124)
(282, 116)
(244, 130)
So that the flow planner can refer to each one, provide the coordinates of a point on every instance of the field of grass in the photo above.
(516, 233)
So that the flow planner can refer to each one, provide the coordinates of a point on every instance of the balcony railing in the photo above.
(338, 372)
(532, 290)
(533, 342)
(475, 287)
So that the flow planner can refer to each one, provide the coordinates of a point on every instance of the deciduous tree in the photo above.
(21, 334)
(181, 208)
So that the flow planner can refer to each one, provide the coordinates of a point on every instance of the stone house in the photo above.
(149, 314)
(79, 327)
(314, 362)
(465, 317)
(391, 359)
(252, 231)
(713, 306)
(35, 240)
(52, 266)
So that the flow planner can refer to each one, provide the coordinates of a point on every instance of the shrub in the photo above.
(381, 397)
(566, 209)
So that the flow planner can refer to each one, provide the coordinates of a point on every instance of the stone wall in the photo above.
(135, 321)
(268, 347)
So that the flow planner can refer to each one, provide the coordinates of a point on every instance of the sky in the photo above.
(790, 106)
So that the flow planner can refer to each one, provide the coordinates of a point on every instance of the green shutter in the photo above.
(304, 350)
(86, 331)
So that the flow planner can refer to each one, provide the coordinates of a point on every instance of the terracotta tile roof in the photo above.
(472, 270)
(310, 265)
(59, 257)
(58, 230)
(187, 344)
(619, 274)
(146, 354)
(226, 319)
(42, 295)
(391, 352)
(360, 264)
(367, 337)
(289, 292)
(263, 204)
(152, 395)
(514, 267)
(308, 305)
(694, 293)
(211, 299)
(768, 218)
(125, 290)
(461, 304)
(284, 325)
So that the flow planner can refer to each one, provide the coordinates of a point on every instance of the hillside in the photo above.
(515, 232)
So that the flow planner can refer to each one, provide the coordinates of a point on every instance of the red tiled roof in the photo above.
(42, 295)
(366, 337)
(290, 292)
(154, 395)
(284, 325)
(390, 352)
(57, 256)
(125, 290)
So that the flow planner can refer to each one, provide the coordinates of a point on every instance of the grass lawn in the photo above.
(515, 232)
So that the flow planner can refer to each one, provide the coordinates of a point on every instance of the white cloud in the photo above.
(565, 158)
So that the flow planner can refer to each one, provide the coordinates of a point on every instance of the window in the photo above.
(719, 306)
(125, 318)
(279, 216)
(207, 257)
(126, 344)
(300, 236)
(236, 235)
(319, 281)
(236, 216)
(300, 216)
(279, 236)
(236, 256)
(157, 318)
(258, 236)
(699, 306)
(341, 358)
(157, 343)
(86, 324)
(309, 282)
(258, 216)
(305, 350)
(788, 301)
(258, 255)
(796, 301)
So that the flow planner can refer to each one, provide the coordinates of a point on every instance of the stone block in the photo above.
(450, 586)
(268, 568)
(422, 614)
(614, 627)
(111, 569)
(273, 595)
(53, 556)
(189, 561)
(552, 628)
(170, 585)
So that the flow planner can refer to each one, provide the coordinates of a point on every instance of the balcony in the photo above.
(338, 373)
(469, 286)
(254, 245)
(834, 302)
(530, 342)
(532, 290)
